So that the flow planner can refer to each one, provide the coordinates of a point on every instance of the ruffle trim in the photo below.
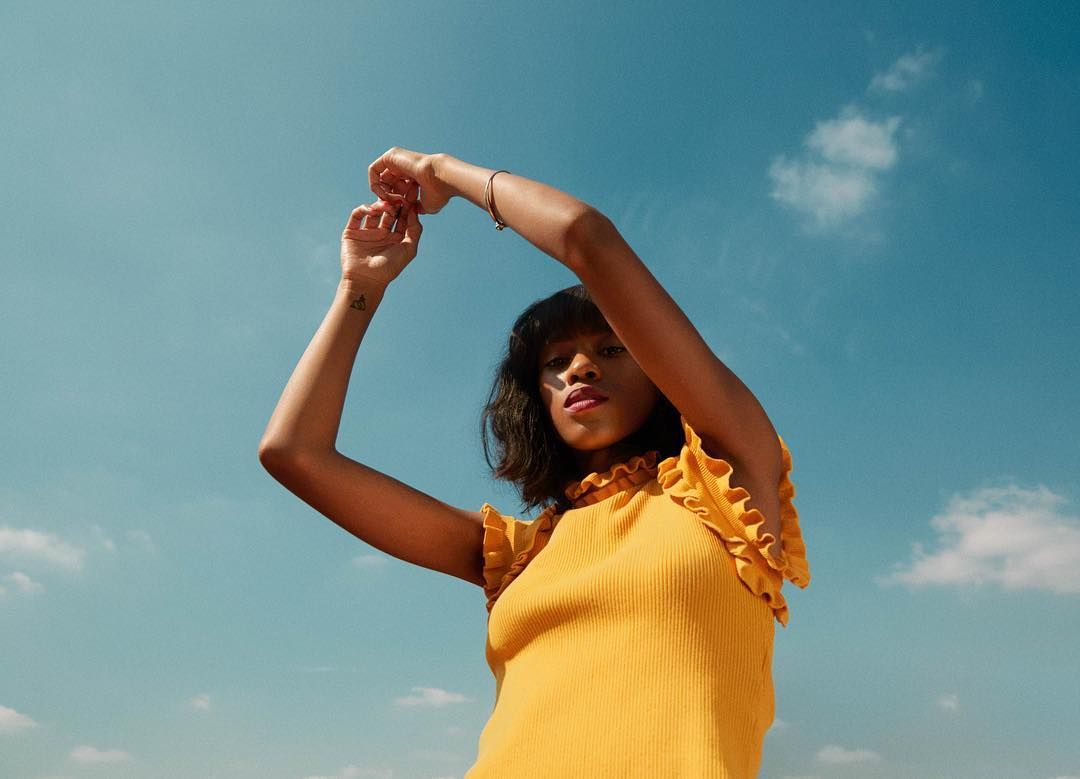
(695, 479)
(508, 546)
(597, 486)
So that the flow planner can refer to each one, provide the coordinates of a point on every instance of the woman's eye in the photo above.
(607, 351)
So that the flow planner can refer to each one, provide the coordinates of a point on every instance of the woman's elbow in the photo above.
(277, 458)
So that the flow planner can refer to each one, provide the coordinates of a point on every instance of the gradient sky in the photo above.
(868, 209)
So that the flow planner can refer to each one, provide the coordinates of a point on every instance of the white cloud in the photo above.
(851, 139)
(840, 756)
(906, 72)
(431, 696)
(949, 702)
(200, 702)
(88, 755)
(24, 544)
(22, 583)
(837, 178)
(12, 721)
(828, 193)
(1009, 536)
(356, 772)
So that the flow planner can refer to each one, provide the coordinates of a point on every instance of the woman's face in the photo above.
(594, 391)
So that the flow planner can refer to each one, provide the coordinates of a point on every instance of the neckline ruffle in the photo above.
(597, 486)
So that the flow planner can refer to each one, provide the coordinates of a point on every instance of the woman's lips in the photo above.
(585, 404)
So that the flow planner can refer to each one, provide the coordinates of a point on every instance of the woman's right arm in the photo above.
(298, 447)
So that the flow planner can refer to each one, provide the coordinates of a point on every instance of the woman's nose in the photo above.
(582, 368)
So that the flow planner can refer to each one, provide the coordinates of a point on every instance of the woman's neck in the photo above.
(601, 460)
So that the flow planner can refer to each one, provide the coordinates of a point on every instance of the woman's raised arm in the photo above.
(663, 341)
(298, 447)
(541, 214)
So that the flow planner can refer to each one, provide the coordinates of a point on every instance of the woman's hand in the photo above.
(397, 174)
(376, 249)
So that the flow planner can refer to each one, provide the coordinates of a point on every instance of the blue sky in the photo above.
(869, 211)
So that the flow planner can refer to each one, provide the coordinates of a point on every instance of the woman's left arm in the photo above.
(667, 346)
(663, 341)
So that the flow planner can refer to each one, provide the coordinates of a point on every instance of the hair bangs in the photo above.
(569, 312)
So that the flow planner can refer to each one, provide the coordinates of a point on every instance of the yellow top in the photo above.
(631, 636)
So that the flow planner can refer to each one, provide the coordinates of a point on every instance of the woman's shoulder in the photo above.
(712, 487)
(509, 544)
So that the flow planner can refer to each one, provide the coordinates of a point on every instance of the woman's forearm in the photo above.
(308, 415)
(541, 214)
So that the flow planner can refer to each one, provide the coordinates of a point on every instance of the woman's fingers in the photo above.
(380, 215)
(408, 223)
(413, 228)
(397, 188)
(374, 173)
(402, 219)
(357, 217)
(394, 162)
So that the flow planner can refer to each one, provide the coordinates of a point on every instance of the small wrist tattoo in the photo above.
(359, 303)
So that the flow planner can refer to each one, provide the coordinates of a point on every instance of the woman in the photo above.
(631, 624)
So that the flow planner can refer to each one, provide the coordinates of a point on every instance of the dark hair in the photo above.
(516, 424)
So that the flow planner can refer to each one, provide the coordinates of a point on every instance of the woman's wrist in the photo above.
(460, 178)
(539, 213)
(369, 289)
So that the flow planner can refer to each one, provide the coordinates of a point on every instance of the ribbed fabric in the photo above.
(631, 636)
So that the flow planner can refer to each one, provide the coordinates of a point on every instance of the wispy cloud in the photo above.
(21, 583)
(1009, 536)
(430, 696)
(356, 772)
(12, 721)
(33, 545)
(142, 540)
(838, 755)
(908, 71)
(838, 177)
(88, 755)
(369, 561)
(200, 702)
(103, 538)
(949, 702)
(137, 540)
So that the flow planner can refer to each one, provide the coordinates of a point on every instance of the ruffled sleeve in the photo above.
(509, 545)
(702, 484)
